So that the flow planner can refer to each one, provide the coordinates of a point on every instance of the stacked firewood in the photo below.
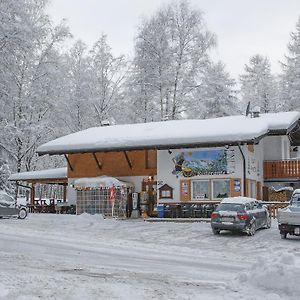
(282, 195)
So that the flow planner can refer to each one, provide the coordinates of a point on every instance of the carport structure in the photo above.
(32, 179)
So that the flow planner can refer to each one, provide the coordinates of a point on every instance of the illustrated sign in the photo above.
(205, 162)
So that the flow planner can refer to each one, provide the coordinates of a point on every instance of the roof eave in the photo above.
(154, 146)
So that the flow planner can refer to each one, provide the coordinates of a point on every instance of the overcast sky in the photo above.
(243, 27)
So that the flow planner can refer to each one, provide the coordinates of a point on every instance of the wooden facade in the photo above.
(115, 164)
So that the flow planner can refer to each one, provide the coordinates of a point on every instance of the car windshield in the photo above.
(295, 201)
(240, 208)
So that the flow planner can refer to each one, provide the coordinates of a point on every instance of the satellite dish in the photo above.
(248, 109)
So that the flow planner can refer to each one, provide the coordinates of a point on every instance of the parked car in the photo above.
(289, 217)
(9, 207)
(240, 214)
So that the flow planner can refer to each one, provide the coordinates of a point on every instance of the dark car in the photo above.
(240, 214)
(9, 207)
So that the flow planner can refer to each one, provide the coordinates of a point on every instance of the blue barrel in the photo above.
(160, 210)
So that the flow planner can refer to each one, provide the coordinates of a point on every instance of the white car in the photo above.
(9, 207)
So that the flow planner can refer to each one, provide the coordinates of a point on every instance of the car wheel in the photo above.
(251, 229)
(216, 231)
(283, 235)
(22, 214)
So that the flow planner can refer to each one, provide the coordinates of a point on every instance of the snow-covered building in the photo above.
(188, 161)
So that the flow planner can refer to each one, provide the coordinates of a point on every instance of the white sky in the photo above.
(243, 27)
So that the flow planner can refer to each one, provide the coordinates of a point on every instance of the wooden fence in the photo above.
(274, 206)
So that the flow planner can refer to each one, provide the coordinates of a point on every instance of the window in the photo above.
(220, 188)
(200, 189)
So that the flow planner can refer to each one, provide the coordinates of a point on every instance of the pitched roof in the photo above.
(230, 130)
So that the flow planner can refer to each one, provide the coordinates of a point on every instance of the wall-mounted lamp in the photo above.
(169, 151)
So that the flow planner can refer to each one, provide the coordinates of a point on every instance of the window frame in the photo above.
(192, 190)
(212, 187)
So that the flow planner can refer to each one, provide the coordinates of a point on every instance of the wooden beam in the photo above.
(69, 164)
(127, 159)
(97, 161)
(65, 193)
(32, 194)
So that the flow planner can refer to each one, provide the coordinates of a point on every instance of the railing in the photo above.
(281, 169)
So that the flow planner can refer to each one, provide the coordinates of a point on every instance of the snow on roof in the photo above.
(100, 181)
(171, 134)
(59, 173)
(238, 200)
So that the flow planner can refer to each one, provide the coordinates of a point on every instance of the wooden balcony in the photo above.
(281, 169)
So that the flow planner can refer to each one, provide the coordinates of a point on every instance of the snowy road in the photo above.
(85, 257)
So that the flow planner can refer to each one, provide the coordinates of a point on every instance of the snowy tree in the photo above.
(77, 99)
(258, 84)
(108, 76)
(31, 76)
(290, 79)
(171, 52)
(216, 96)
(4, 174)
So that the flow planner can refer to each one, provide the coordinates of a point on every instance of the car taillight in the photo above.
(243, 216)
(214, 215)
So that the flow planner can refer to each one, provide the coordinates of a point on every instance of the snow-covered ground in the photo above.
(86, 257)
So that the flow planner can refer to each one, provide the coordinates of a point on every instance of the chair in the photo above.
(186, 211)
(167, 211)
(197, 211)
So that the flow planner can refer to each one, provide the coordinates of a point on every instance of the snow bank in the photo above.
(3, 291)
(277, 276)
(85, 217)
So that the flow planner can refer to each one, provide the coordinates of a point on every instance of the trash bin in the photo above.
(160, 210)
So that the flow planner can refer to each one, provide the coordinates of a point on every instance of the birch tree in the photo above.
(30, 65)
(171, 51)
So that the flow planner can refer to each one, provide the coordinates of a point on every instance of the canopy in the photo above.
(48, 174)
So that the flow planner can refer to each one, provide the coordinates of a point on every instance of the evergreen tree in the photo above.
(4, 174)
(290, 79)
(258, 84)
(215, 96)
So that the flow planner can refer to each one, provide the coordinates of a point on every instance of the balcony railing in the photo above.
(281, 169)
